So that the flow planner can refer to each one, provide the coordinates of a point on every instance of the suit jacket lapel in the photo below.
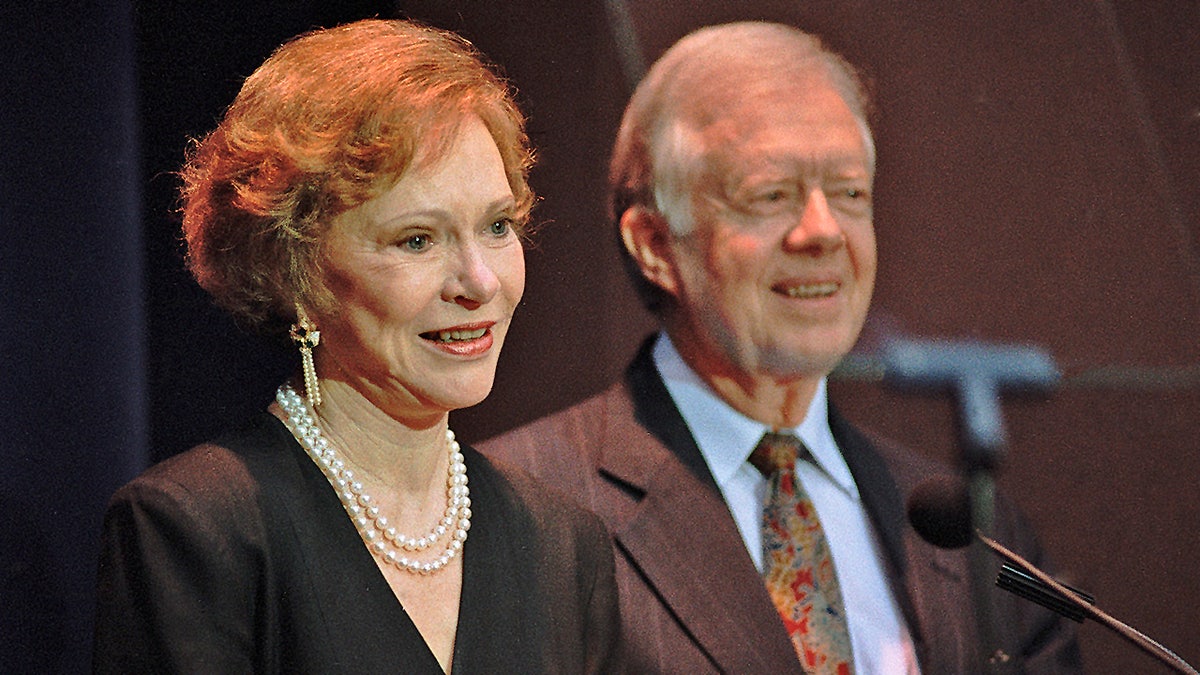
(878, 489)
(683, 538)
(681, 522)
(917, 571)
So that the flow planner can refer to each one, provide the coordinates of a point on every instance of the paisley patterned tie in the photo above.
(797, 564)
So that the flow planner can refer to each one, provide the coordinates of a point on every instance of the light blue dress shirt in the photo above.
(726, 438)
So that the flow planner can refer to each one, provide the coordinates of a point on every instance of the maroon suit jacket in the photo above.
(691, 599)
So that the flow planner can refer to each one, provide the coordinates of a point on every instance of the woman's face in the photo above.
(425, 279)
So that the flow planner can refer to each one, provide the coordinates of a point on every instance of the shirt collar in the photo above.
(726, 437)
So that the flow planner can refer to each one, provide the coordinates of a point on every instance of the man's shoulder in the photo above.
(546, 511)
(581, 425)
(905, 465)
(564, 447)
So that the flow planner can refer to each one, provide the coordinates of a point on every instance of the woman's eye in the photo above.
(416, 242)
(500, 227)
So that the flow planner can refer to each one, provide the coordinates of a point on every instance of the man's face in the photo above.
(775, 276)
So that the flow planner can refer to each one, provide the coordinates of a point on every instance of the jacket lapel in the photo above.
(680, 521)
(682, 538)
(924, 579)
(878, 489)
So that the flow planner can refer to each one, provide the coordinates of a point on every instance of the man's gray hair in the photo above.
(658, 146)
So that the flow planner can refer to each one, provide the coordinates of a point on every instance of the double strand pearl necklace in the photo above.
(376, 531)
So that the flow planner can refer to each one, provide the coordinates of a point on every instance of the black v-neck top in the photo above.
(237, 557)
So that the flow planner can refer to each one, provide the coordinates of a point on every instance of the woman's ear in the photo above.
(646, 236)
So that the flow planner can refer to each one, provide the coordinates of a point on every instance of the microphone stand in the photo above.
(983, 440)
(976, 373)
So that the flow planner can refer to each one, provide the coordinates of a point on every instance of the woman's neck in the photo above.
(389, 453)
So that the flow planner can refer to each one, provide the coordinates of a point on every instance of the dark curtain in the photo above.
(72, 356)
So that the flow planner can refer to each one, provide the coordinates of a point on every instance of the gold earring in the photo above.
(307, 337)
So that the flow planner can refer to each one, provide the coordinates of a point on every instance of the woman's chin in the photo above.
(465, 394)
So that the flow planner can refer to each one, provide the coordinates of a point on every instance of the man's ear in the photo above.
(646, 237)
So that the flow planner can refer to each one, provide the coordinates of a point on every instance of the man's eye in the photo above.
(774, 196)
(851, 195)
(767, 201)
(853, 201)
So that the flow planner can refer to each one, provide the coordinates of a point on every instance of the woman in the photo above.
(367, 186)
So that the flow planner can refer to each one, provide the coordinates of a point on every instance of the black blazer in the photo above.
(237, 557)
(691, 598)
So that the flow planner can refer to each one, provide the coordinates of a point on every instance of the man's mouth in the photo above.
(821, 290)
(455, 335)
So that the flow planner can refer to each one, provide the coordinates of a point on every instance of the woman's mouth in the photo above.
(455, 335)
(473, 340)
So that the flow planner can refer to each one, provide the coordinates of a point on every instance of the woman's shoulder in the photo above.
(224, 473)
(537, 556)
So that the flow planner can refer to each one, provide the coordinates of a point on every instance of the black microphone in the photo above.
(938, 510)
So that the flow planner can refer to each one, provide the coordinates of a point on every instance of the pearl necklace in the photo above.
(377, 533)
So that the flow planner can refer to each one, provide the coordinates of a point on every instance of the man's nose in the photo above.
(816, 231)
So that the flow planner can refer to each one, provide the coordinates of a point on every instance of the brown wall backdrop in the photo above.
(1037, 183)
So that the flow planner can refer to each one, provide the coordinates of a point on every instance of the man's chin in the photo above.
(814, 357)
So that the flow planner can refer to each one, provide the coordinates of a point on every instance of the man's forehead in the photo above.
(785, 134)
(714, 90)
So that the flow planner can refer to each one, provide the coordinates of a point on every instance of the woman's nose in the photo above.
(471, 280)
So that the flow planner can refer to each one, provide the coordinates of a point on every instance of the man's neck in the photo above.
(775, 401)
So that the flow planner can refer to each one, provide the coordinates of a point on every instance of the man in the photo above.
(741, 188)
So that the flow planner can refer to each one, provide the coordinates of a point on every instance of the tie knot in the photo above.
(776, 452)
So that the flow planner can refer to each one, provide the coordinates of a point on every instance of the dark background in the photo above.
(1038, 183)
